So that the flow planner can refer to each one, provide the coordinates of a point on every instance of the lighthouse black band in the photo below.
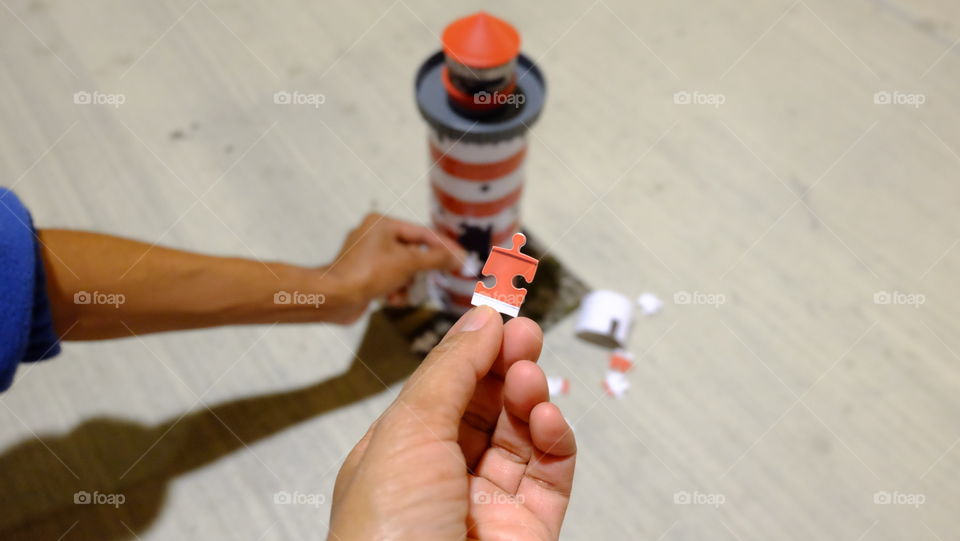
(510, 121)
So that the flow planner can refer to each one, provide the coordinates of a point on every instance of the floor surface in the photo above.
(732, 154)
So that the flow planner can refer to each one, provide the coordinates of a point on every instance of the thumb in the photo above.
(441, 388)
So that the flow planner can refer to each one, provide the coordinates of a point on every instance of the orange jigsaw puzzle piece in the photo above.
(504, 264)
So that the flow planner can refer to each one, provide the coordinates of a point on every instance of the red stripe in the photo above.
(464, 208)
(477, 171)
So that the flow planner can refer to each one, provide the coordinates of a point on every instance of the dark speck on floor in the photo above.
(822, 445)
(802, 191)
(176, 135)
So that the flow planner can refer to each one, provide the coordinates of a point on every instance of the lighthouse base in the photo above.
(552, 296)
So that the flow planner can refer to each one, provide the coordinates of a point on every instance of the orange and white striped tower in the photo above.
(479, 96)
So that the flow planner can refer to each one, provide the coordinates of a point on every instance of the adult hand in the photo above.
(471, 447)
(381, 256)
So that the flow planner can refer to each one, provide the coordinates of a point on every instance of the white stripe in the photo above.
(471, 191)
(441, 297)
(460, 286)
(478, 152)
(499, 306)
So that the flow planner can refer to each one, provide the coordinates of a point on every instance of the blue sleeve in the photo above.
(26, 322)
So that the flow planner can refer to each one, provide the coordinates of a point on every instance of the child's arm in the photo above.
(102, 286)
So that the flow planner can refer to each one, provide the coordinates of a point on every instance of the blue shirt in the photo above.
(26, 323)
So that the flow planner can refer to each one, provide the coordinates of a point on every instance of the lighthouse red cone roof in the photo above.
(481, 41)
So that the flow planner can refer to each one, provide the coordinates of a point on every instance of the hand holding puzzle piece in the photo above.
(504, 265)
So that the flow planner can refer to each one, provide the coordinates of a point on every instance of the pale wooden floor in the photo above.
(797, 200)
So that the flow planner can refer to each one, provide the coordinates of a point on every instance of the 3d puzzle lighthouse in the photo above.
(479, 96)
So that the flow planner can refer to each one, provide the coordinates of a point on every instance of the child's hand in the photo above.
(381, 256)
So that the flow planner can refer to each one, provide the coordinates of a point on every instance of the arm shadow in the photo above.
(41, 476)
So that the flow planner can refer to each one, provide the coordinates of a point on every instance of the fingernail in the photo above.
(475, 319)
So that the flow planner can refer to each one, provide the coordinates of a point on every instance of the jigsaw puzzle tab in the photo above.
(504, 265)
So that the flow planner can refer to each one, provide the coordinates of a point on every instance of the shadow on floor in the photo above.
(107, 454)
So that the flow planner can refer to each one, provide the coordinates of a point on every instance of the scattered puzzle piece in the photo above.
(471, 265)
(616, 384)
(429, 338)
(425, 342)
(605, 318)
(649, 303)
(504, 264)
(558, 385)
(621, 361)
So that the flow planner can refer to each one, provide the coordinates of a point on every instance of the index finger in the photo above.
(419, 234)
